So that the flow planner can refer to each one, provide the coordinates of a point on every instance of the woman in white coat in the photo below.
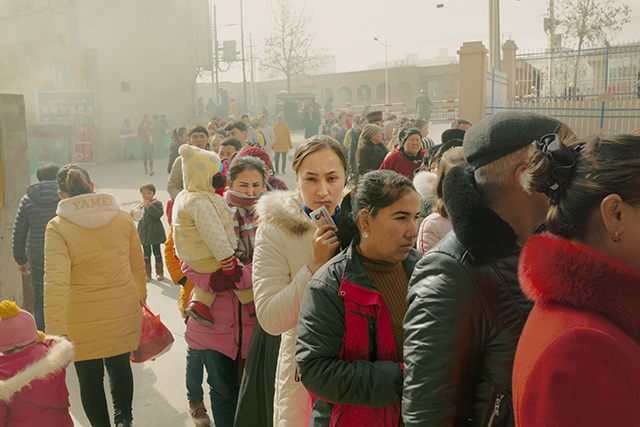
(289, 250)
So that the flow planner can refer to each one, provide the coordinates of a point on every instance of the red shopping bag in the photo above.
(155, 339)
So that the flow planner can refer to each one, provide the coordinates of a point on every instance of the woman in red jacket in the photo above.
(349, 336)
(408, 158)
(578, 359)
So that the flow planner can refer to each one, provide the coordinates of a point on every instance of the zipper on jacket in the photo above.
(373, 342)
(496, 410)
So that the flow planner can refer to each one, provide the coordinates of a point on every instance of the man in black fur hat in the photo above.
(466, 310)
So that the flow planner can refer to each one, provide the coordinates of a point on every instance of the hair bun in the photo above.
(561, 163)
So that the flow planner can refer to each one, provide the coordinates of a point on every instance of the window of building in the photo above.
(59, 75)
(380, 93)
(364, 93)
(344, 94)
(327, 93)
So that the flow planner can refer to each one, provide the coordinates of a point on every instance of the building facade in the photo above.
(115, 59)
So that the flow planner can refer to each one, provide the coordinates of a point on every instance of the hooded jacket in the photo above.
(94, 277)
(465, 315)
(578, 359)
(280, 275)
(204, 234)
(36, 209)
(345, 350)
(33, 389)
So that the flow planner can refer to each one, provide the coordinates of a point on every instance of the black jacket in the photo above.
(345, 351)
(465, 314)
(36, 209)
(150, 227)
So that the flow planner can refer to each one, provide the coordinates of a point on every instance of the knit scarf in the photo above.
(244, 221)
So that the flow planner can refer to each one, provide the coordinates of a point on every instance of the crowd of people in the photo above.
(488, 280)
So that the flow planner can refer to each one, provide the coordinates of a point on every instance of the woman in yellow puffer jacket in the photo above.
(93, 285)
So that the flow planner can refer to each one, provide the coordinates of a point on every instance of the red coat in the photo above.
(399, 162)
(578, 359)
(33, 391)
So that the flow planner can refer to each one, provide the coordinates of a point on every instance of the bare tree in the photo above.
(592, 22)
(289, 49)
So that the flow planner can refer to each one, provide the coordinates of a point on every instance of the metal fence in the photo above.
(547, 76)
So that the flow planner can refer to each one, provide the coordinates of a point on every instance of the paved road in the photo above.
(160, 393)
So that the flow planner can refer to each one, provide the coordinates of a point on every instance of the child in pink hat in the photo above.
(32, 372)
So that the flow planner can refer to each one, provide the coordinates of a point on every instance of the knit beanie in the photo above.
(408, 133)
(369, 131)
(257, 152)
(374, 116)
(504, 133)
(17, 327)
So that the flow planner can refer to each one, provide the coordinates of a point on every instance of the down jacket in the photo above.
(33, 389)
(345, 349)
(94, 277)
(578, 359)
(280, 275)
(465, 314)
(150, 228)
(36, 209)
(234, 320)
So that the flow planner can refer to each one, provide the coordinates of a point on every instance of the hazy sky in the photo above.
(346, 28)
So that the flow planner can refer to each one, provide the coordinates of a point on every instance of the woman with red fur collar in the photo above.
(578, 359)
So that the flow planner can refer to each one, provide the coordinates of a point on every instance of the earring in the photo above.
(365, 234)
(615, 237)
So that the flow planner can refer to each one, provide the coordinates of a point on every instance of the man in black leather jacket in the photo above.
(466, 310)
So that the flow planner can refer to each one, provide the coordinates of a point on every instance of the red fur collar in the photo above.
(556, 270)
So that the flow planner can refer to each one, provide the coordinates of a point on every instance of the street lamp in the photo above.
(386, 71)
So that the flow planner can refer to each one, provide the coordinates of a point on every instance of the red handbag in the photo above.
(155, 339)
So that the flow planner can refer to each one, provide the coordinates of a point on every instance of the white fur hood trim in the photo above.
(425, 182)
(283, 209)
(57, 358)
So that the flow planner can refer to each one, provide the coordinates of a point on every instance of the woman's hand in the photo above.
(325, 243)
(24, 269)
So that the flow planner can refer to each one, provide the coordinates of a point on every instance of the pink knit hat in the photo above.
(17, 327)
(257, 152)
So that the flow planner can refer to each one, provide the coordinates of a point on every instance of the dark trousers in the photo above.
(147, 153)
(223, 380)
(91, 379)
(194, 376)
(37, 281)
(284, 160)
(156, 253)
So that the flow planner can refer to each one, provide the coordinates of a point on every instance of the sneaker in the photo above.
(200, 313)
(124, 423)
(199, 414)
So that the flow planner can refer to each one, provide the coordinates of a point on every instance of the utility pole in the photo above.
(211, 62)
(552, 33)
(254, 87)
(215, 55)
(386, 72)
(244, 72)
(494, 34)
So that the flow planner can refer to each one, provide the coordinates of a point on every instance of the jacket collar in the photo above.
(283, 209)
(556, 270)
(354, 271)
(476, 226)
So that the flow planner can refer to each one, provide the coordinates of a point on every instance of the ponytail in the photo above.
(73, 180)
(178, 132)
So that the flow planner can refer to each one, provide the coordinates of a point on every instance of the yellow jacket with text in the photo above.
(94, 277)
